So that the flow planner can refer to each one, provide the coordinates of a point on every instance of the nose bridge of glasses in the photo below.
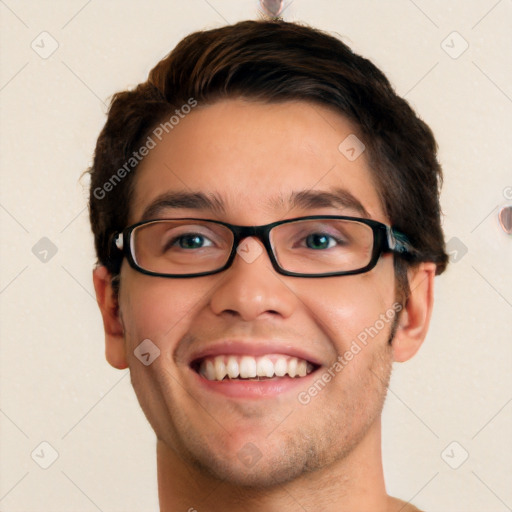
(243, 232)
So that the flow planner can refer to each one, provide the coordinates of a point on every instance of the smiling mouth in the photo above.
(246, 368)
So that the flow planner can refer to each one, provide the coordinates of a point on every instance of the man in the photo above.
(260, 346)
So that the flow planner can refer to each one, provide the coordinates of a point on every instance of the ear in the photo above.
(114, 333)
(415, 317)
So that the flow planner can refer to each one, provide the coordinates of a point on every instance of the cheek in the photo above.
(158, 308)
(344, 307)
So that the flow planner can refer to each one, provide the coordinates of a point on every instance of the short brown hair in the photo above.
(278, 61)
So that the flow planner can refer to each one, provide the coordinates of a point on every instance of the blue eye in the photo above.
(320, 241)
(188, 241)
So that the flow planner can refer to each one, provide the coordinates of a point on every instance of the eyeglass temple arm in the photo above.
(398, 242)
(119, 241)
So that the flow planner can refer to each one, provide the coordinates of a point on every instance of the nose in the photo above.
(251, 288)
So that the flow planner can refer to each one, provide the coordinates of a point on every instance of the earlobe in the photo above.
(415, 317)
(114, 333)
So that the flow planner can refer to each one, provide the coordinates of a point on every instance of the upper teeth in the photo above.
(246, 367)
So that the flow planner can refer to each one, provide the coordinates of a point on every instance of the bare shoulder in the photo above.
(396, 505)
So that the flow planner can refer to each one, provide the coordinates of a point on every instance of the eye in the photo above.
(188, 241)
(321, 241)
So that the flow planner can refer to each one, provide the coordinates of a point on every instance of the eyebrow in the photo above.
(212, 202)
(310, 199)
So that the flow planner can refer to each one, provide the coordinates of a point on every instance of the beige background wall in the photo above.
(55, 385)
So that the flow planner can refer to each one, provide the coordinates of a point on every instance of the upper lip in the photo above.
(251, 348)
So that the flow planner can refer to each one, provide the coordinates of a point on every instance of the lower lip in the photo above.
(254, 388)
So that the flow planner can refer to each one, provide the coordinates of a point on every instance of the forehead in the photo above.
(249, 159)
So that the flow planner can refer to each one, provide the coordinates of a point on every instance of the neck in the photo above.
(355, 483)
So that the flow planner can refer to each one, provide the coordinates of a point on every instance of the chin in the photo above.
(261, 475)
(247, 466)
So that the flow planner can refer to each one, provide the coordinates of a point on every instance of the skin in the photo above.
(325, 455)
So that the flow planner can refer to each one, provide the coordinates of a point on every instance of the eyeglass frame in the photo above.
(385, 239)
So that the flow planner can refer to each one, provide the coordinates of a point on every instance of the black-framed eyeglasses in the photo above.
(313, 246)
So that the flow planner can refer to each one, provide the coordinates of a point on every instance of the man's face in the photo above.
(247, 154)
